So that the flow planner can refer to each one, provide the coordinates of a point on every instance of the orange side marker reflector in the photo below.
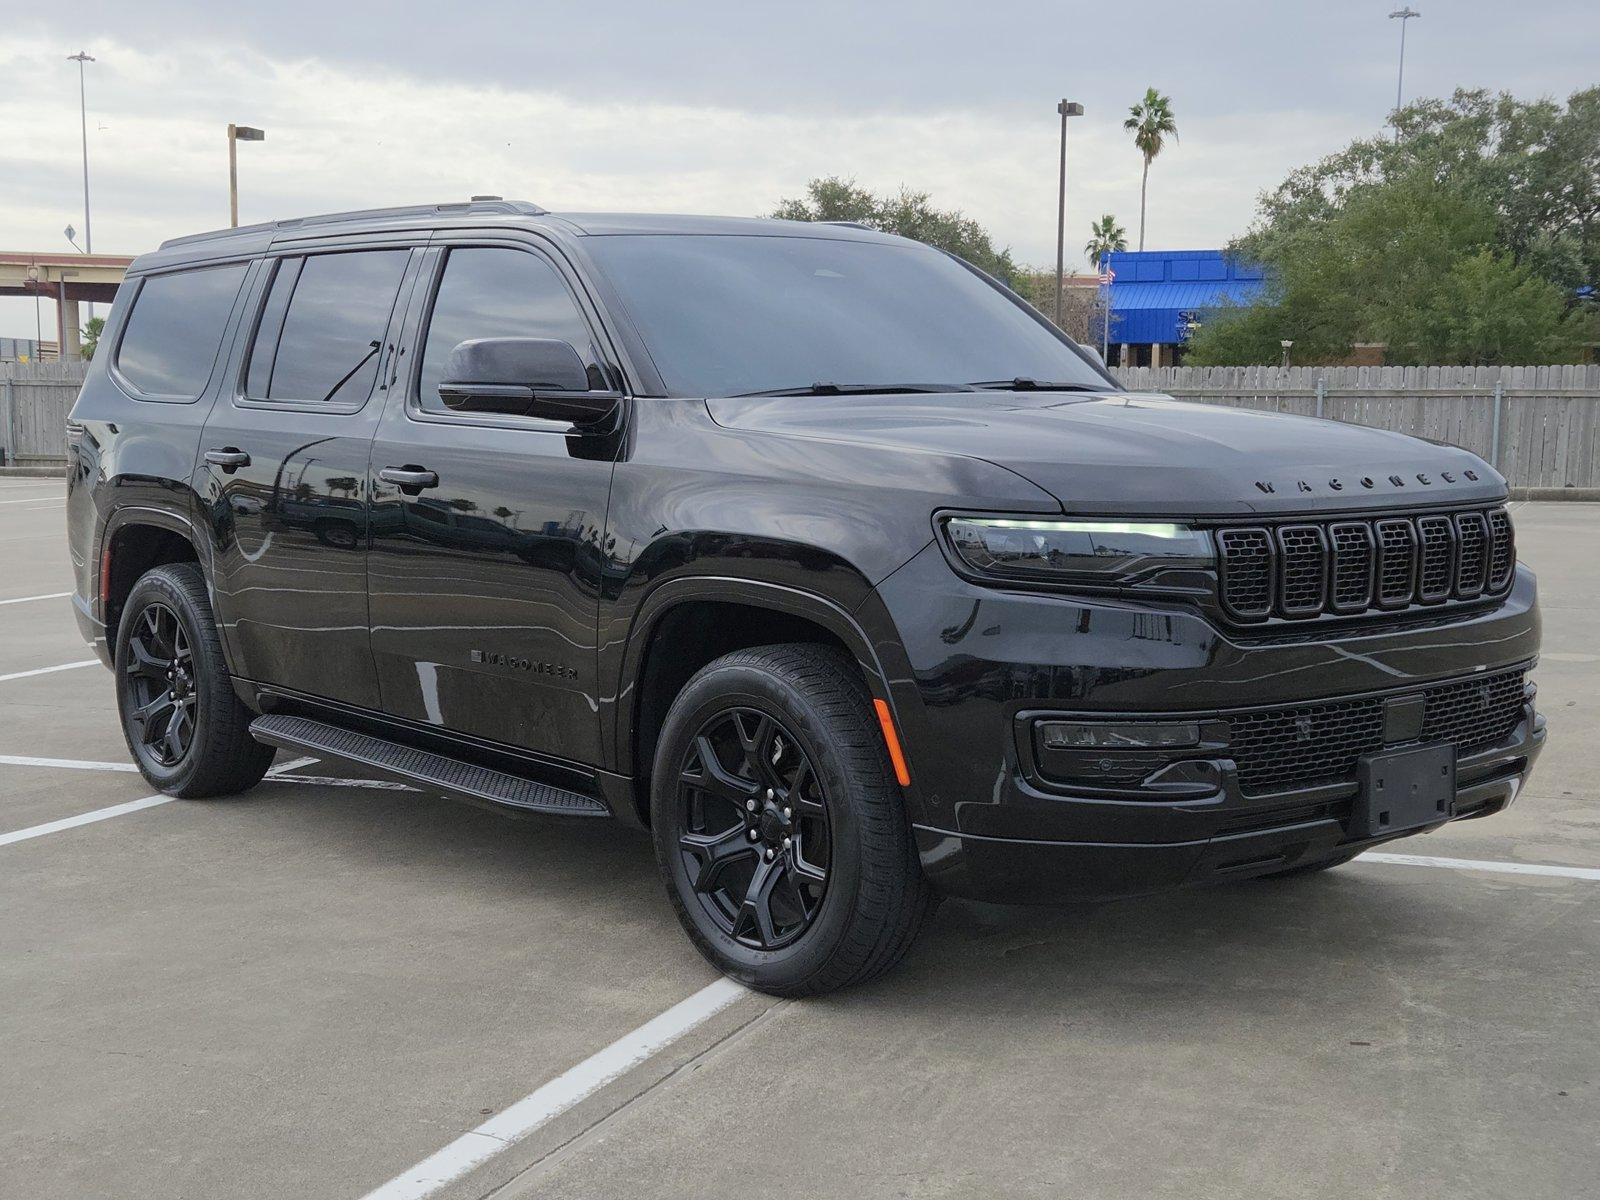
(891, 739)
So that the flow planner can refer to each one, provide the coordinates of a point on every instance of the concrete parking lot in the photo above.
(313, 989)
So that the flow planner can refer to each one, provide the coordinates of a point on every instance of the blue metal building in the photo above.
(1156, 293)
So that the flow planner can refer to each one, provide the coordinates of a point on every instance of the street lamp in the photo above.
(237, 134)
(81, 57)
(1402, 15)
(1067, 108)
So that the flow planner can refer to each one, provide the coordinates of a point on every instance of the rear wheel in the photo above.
(187, 730)
(779, 827)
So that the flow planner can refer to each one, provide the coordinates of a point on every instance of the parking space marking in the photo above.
(1476, 864)
(46, 596)
(65, 764)
(35, 500)
(561, 1093)
(72, 666)
(115, 810)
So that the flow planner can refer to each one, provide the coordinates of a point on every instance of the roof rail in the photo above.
(520, 208)
(850, 225)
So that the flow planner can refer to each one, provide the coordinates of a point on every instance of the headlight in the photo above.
(1097, 552)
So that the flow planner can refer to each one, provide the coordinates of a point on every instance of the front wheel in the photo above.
(779, 827)
(188, 732)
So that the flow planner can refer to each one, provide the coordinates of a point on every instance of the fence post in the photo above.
(1494, 436)
(1322, 391)
(8, 453)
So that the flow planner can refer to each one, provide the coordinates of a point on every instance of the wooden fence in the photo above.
(34, 401)
(1540, 426)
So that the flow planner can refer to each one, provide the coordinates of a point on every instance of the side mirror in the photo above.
(525, 377)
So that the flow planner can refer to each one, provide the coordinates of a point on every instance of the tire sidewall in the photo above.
(735, 685)
(155, 586)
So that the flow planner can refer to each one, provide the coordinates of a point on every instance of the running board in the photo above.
(430, 772)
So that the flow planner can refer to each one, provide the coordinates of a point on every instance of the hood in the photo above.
(1126, 452)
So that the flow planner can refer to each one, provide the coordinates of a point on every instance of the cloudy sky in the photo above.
(720, 107)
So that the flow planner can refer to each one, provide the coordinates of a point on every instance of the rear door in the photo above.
(485, 579)
(283, 467)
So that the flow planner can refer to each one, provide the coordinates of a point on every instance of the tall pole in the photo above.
(1066, 108)
(81, 57)
(1402, 15)
(233, 176)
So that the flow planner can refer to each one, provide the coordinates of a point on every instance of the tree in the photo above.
(909, 214)
(1466, 242)
(89, 339)
(1105, 237)
(1150, 121)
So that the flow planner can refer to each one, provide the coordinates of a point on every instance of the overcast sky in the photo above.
(720, 107)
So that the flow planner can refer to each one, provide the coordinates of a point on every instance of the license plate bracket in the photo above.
(1404, 789)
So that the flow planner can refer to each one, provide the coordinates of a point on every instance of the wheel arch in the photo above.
(133, 540)
(688, 622)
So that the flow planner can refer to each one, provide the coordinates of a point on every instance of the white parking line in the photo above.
(65, 764)
(1477, 864)
(104, 814)
(35, 500)
(561, 1093)
(46, 596)
(72, 666)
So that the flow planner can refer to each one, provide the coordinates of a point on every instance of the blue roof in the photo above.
(1152, 290)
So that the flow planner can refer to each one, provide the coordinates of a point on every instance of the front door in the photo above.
(283, 469)
(486, 529)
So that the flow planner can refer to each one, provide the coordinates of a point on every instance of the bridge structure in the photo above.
(69, 279)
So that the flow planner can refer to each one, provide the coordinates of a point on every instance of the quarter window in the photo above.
(321, 331)
(175, 328)
(497, 292)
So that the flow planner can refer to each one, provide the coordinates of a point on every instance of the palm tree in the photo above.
(1150, 121)
(1105, 236)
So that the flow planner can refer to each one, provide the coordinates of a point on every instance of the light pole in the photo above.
(1067, 108)
(237, 134)
(81, 57)
(1402, 15)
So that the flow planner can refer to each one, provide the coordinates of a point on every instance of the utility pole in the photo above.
(81, 57)
(1402, 15)
(1066, 108)
(237, 134)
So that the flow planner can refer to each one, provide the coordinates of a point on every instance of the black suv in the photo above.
(814, 550)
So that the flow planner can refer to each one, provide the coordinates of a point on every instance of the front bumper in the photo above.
(980, 663)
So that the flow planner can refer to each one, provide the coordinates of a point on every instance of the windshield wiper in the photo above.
(859, 389)
(1023, 384)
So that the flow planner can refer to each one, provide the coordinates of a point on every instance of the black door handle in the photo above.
(410, 479)
(229, 458)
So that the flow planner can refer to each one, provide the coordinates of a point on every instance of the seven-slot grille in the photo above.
(1276, 749)
(1349, 567)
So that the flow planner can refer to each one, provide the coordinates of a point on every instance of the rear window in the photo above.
(175, 328)
(322, 327)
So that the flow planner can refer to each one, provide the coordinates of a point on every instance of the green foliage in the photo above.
(1463, 243)
(1105, 236)
(89, 336)
(907, 213)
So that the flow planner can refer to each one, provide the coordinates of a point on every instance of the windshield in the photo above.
(732, 315)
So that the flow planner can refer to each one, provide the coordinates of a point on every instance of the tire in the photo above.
(1338, 860)
(168, 610)
(827, 765)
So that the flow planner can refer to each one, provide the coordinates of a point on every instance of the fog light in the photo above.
(1131, 735)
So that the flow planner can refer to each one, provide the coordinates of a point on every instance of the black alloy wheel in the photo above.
(161, 685)
(756, 839)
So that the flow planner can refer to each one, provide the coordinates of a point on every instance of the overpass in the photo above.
(68, 279)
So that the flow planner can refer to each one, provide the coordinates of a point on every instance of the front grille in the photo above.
(1305, 745)
(1351, 567)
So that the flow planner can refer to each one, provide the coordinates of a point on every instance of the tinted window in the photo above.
(334, 313)
(175, 328)
(489, 292)
(727, 315)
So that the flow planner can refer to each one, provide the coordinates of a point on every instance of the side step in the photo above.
(432, 772)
